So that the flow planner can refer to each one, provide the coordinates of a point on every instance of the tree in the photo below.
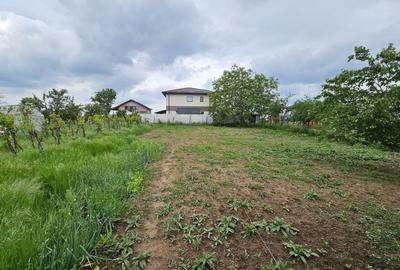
(239, 94)
(102, 101)
(55, 101)
(365, 103)
(305, 110)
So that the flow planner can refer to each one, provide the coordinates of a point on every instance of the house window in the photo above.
(201, 99)
(189, 98)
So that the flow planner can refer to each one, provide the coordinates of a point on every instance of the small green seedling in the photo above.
(204, 262)
(280, 225)
(226, 225)
(277, 265)
(249, 230)
(268, 208)
(311, 195)
(299, 252)
(142, 259)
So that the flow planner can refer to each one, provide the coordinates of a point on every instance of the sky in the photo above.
(142, 47)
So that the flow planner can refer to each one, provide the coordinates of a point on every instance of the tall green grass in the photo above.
(55, 204)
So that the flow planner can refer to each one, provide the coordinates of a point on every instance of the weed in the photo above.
(341, 216)
(280, 225)
(268, 208)
(383, 227)
(135, 183)
(311, 195)
(299, 252)
(249, 229)
(325, 180)
(354, 208)
(226, 225)
(339, 193)
(165, 210)
(142, 259)
(277, 265)
(235, 204)
(132, 222)
(204, 262)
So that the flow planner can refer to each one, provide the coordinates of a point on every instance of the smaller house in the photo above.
(132, 106)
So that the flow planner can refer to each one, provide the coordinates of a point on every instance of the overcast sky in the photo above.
(141, 47)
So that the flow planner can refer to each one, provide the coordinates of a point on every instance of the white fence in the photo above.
(177, 118)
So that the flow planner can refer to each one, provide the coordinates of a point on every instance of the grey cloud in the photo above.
(141, 47)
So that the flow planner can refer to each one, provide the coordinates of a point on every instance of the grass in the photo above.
(55, 204)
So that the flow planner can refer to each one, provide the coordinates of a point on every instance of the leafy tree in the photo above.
(55, 101)
(365, 103)
(240, 93)
(102, 101)
(305, 110)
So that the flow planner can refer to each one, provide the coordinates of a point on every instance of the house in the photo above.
(132, 106)
(187, 100)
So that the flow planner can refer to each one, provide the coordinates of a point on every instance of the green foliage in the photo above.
(277, 265)
(299, 252)
(204, 262)
(8, 133)
(236, 204)
(135, 183)
(268, 208)
(249, 229)
(280, 225)
(54, 102)
(364, 104)
(28, 126)
(311, 195)
(226, 225)
(99, 123)
(101, 102)
(305, 110)
(55, 125)
(239, 94)
(382, 227)
(142, 259)
(56, 204)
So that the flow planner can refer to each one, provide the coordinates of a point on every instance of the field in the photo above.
(231, 197)
(213, 197)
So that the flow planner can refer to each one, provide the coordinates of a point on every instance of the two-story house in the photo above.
(187, 100)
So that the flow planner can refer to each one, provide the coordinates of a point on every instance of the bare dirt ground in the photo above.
(205, 171)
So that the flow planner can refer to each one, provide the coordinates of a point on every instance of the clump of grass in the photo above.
(311, 195)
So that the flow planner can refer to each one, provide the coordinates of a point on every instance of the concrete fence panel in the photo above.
(177, 118)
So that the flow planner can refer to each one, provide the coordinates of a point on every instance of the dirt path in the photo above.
(167, 171)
